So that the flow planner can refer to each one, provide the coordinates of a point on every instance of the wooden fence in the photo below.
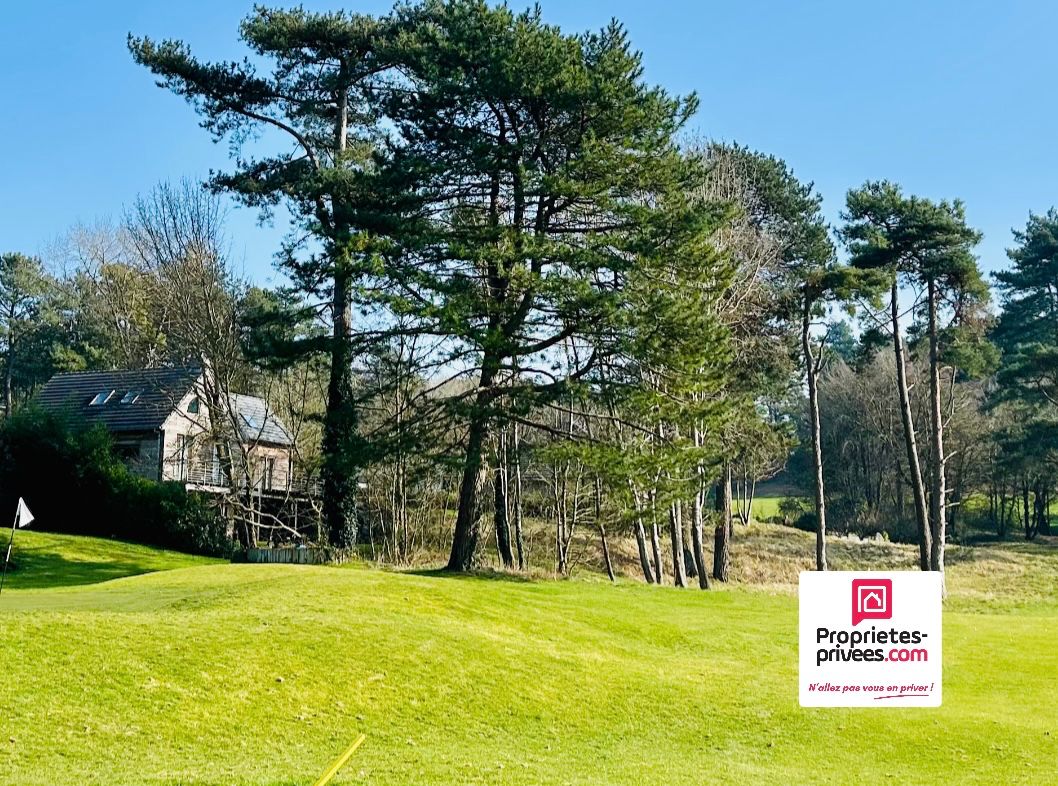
(306, 556)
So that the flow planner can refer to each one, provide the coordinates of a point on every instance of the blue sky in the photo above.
(950, 99)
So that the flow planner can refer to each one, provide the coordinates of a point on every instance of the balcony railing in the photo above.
(208, 477)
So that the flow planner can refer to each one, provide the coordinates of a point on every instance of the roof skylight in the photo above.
(102, 397)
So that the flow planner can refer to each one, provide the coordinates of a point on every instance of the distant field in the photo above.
(260, 674)
(765, 507)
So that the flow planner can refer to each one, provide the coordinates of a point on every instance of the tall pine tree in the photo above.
(315, 107)
(534, 160)
(928, 246)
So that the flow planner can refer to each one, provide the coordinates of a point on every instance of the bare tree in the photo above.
(176, 235)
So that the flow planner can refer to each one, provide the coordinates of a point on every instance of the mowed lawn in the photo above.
(262, 674)
(44, 559)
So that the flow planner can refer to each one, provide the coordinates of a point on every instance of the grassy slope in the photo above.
(241, 674)
(44, 559)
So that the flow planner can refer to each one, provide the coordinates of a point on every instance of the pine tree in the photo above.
(929, 246)
(1027, 335)
(319, 97)
(1027, 331)
(27, 324)
(528, 165)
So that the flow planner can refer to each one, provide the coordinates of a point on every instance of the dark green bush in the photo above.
(73, 483)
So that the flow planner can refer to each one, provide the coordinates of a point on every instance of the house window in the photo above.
(131, 397)
(269, 474)
(100, 398)
(193, 406)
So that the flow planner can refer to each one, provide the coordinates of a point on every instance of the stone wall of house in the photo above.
(189, 454)
(281, 469)
(185, 436)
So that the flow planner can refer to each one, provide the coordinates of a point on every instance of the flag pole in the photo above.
(7, 557)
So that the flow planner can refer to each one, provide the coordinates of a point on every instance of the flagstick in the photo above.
(7, 557)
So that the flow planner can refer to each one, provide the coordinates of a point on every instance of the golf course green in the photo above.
(199, 672)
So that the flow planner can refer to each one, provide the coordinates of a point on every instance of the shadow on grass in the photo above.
(479, 575)
(1015, 541)
(43, 569)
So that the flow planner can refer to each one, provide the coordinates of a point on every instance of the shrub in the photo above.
(791, 509)
(73, 483)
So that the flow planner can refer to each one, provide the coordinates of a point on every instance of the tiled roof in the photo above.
(258, 423)
(141, 400)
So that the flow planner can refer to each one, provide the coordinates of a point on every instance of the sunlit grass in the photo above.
(261, 674)
(44, 559)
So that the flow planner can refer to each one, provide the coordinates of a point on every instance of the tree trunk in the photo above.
(938, 493)
(475, 474)
(644, 557)
(679, 571)
(518, 540)
(560, 521)
(953, 513)
(722, 533)
(817, 444)
(641, 537)
(1026, 517)
(697, 549)
(1045, 509)
(910, 443)
(607, 561)
(340, 420)
(655, 545)
(340, 423)
(1037, 504)
(9, 372)
(501, 519)
(721, 558)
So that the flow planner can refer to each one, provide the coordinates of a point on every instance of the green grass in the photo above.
(765, 508)
(44, 559)
(261, 674)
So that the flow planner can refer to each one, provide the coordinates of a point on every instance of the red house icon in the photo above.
(872, 599)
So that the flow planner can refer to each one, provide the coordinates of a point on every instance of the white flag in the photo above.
(22, 515)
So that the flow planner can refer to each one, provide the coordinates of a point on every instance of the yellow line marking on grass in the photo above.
(340, 762)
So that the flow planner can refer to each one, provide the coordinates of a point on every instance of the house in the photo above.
(160, 423)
